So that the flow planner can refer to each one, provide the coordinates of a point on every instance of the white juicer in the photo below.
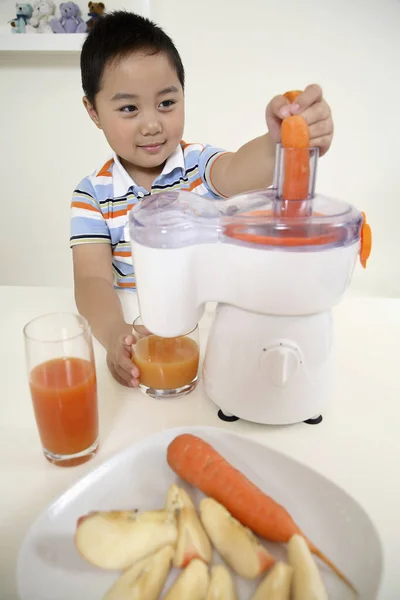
(275, 275)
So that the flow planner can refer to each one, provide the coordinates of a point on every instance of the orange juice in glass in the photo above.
(62, 381)
(168, 366)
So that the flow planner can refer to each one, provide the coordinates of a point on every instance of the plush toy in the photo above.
(24, 13)
(96, 10)
(70, 21)
(43, 12)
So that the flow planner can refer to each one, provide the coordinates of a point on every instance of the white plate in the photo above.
(49, 568)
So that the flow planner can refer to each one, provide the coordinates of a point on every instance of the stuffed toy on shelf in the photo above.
(24, 13)
(96, 11)
(43, 12)
(70, 20)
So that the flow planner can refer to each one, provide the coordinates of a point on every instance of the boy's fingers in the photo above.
(122, 376)
(125, 363)
(316, 113)
(279, 107)
(308, 97)
(320, 129)
(126, 357)
(128, 340)
(323, 143)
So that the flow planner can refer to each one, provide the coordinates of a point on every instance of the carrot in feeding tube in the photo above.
(292, 95)
(200, 465)
(295, 139)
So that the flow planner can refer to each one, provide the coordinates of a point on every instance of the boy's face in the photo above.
(140, 108)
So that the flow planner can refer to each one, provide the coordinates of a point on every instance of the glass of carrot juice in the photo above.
(62, 381)
(168, 366)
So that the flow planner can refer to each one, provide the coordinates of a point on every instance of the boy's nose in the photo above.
(151, 126)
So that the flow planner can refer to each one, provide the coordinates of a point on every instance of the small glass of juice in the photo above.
(168, 366)
(62, 381)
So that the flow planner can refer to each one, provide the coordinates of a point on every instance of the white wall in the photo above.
(237, 56)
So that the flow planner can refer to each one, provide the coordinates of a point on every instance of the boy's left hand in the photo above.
(311, 105)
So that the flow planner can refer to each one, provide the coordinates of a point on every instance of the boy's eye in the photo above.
(167, 103)
(128, 109)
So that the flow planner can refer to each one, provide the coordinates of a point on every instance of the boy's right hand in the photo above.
(119, 357)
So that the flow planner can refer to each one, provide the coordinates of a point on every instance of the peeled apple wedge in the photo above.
(117, 539)
(192, 583)
(307, 582)
(236, 544)
(192, 541)
(276, 585)
(145, 579)
(221, 586)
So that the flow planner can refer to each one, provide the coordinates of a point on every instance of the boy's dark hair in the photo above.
(117, 35)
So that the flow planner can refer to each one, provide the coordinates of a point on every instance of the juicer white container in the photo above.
(269, 355)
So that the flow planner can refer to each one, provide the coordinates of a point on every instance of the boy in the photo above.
(133, 80)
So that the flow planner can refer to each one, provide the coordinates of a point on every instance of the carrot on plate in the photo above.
(199, 464)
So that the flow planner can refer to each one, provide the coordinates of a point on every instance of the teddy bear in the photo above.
(70, 21)
(96, 10)
(24, 13)
(43, 12)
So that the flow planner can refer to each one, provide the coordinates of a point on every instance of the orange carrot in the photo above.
(292, 95)
(366, 242)
(296, 141)
(294, 132)
(199, 464)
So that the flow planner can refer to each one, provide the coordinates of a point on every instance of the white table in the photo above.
(357, 445)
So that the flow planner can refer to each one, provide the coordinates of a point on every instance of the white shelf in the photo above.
(56, 42)
(41, 42)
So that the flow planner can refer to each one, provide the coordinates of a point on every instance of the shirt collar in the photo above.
(122, 181)
(175, 161)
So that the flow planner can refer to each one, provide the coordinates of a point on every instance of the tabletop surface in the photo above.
(357, 445)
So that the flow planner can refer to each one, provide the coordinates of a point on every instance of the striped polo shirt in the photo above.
(102, 201)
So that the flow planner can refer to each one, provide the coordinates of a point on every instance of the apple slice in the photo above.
(117, 539)
(145, 579)
(192, 583)
(192, 541)
(237, 545)
(307, 581)
(276, 585)
(221, 586)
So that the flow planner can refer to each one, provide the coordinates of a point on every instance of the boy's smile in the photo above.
(153, 148)
(140, 108)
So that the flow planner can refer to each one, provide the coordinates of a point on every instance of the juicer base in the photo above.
(268, 369)
(231, 418)
(227, 417)
(314, 420)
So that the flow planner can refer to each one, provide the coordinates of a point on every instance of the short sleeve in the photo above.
(207, 159)
(88, 225)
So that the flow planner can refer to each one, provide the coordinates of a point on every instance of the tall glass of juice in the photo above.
(168, 366)
(62, 381)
